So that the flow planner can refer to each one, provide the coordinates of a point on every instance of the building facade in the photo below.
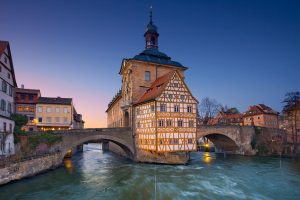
(166, 122)
(26, 100)
(55, 114)
(8, 83)
(291, 122)
(261, 115)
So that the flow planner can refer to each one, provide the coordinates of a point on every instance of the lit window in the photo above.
(40, 109)
(162, 107)
(65, 110)
(176, 108)
(179, 123)
(31, 108)
(26, 108)
(48, 109)
(189, 109)
(160, 123)
(147, 76)
(20, 108)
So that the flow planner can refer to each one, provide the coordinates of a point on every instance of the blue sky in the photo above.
(238, 52)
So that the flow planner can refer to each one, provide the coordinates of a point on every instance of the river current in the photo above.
(104, 175)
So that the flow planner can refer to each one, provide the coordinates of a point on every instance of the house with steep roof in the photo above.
(261, 115)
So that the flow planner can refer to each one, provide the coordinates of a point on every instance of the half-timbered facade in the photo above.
(166, 116)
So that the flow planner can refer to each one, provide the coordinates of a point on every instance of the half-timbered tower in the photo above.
(166, 116)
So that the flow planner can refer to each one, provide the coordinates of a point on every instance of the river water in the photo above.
(103, 175)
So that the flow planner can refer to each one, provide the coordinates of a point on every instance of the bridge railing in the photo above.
(91, 130)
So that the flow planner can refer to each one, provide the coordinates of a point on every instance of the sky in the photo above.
(240, 53)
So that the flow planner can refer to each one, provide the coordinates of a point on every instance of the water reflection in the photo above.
(207, 157)
(68, 165)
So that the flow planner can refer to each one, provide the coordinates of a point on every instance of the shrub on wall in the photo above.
(45, 138)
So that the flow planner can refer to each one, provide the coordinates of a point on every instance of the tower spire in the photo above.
(150, 14)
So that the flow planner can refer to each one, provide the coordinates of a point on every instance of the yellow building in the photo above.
(55, 114)
(153, 72)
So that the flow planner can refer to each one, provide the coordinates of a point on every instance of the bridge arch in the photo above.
(222, 142)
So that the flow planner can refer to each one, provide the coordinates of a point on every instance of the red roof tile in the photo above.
(156, 88)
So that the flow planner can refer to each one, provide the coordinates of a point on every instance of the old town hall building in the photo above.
(155, 101)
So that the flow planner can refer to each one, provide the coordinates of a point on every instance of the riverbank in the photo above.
(29, 168)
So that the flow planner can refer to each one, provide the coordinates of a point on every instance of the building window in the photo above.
(31, 108)
(160, 123)
(65, 120)
(152, 108)
(48, 119)
(189, 109)
(191, 123)
(176, 141)
(175, 84)
(31, 97)
(169, 123)
(137, 111)
(258, 117)
(20, 108)
(182, 97)
(57, 119)
(190, 141)
(40, 109)
(3, 105)
(48, 110)
(23, 97)
(31, 118)
(9, 107)
(26, 108)
(57, 110)
(147, 76)
(8, 75)
(10, 91)
(65, 110)
(5, 60)
(4, 86)
(10, 128)
(162, 107)
(176, 108)
(40, 119)
(4, 127)
(179, 123)
(170, 96)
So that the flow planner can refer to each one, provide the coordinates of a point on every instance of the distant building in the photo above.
(56, 114)
(8, 83)
(261, 115)
(26, 100)
(78, 123)
(227, 117)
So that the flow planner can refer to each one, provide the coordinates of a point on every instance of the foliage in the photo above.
(290, 100)
(47, 138)
(20, 120)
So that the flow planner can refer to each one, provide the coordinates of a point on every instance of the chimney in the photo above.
(22, 86)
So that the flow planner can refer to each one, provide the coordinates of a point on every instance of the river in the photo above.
(103, 175)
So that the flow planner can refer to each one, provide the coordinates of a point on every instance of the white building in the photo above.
(7, 85)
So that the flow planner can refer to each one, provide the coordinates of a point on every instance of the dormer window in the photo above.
(147, 76)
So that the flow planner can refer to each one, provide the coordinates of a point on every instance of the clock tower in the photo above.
(151, 35)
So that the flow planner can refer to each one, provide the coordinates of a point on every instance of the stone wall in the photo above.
(28, 168)
(7, 146)
(162, 158)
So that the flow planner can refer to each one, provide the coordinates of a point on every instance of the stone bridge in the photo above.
(74, 138)
(229, 138)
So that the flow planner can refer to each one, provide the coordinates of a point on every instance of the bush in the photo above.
(46, 138)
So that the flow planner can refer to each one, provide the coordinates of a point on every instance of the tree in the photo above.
(20, 120)
(208, 109)
(291, 110)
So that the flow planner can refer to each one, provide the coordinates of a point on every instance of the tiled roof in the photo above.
(57, 100)
(156, 88)
(3, 46)
(31, 91)
(155, 56)
(259, 109)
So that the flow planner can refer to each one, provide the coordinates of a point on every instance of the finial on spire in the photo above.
(150, 14)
